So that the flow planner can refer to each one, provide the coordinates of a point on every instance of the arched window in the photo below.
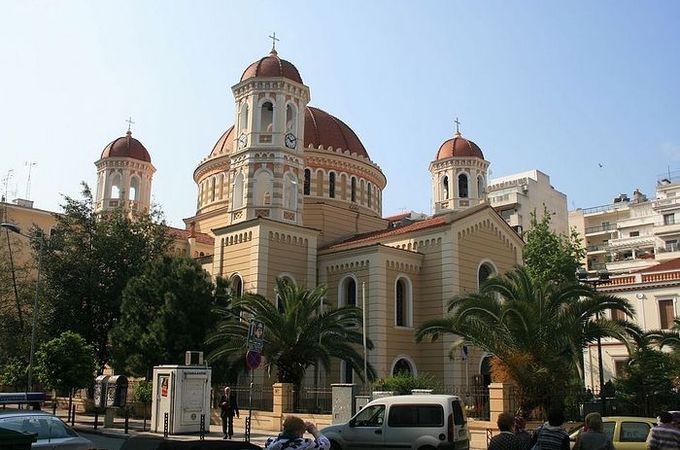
(402, 367)
(290, 192)
(115, 186)
(237, 192)
(348, 292)
(134, 189)
(308, 181)
(236, 284)
(212, 189)
(480, 186)
(243, 118)
(462, 185)
(267, 117)
(354, 189)
(368, 194)
(445, 187)
(264, 185)
(402, 302)
(331, 185)
(485, 370)
(291, 119)
(485, 271)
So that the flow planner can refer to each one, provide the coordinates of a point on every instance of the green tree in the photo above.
(87, 263)
(307, 333)
(404, 384)
(548, 256)
(535, 330)
(166, 310)
(65, 363)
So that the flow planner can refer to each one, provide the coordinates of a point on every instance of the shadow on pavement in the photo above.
(158, 443)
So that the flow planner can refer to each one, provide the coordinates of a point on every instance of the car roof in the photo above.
(23, 413)
(628, 418)
(426, 398)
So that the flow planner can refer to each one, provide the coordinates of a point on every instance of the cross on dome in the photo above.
(274, 40)
(457, 122)
(130, 123)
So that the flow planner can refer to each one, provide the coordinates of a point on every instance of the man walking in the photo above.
(665, 436)
(228, 408)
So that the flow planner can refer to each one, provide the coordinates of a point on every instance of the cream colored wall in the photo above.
(287, 256)
(236, 256)
(25, 218)
(337, 221)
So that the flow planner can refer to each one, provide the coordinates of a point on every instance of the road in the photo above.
(103, 442)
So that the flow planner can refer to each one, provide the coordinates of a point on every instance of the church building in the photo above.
(290, 191)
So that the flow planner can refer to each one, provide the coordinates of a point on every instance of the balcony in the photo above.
(609, 228)
(661, 229)
(505, 200)
(632, 243)
(630, 264)
(669, 251)
(612, 207)
(596, 248)
(665, 204)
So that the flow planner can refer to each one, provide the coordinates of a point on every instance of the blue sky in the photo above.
(557, 86)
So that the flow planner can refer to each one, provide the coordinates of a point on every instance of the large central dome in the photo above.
(321, 129)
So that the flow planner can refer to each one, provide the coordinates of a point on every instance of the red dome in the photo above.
(272, 66)
(459, 146)
(126, 147)
(321, 129)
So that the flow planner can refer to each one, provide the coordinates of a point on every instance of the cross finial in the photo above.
(130, 123)
(274, 40)
(457, 122)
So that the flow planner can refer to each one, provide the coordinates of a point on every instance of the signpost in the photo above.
(255, 344)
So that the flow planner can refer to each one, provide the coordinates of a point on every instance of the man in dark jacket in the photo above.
(228, 408)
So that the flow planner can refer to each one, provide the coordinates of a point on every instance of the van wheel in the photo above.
(336, 446)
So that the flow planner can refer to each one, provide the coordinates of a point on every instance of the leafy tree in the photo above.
(13, 373)
(65, 363)
(166, 310)
(143, 391)
(87, 263)
(535, 330)
(404, 384)
(305, 334)
(668, 338)
(548, 256)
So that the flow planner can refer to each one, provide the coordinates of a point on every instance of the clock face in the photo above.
(291, 140)
(242, 140)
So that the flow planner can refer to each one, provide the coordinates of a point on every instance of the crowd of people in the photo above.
(552, 435)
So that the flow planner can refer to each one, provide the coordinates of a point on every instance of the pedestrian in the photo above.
(228, 409)
(551, 435)
(593, 437)
(521, 434)
(506, 440)
(666, 435)
(291, 437)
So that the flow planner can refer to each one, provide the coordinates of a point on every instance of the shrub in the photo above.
(143, 392)
(404, 384)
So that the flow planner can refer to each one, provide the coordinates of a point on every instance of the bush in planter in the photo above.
(142, 397)
(403, 384)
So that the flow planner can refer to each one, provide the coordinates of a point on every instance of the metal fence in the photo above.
(262, 396)
(311, 401)
(476, 399)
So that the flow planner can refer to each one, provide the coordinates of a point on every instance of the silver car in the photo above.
(52, 433)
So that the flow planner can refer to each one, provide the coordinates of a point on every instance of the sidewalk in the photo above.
(84, 422)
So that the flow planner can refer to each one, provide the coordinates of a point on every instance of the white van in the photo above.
(417, 422)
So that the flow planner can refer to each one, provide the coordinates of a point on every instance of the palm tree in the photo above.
(536, 331)
(667, 338)
(301, 332)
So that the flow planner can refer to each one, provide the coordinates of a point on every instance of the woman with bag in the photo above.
(592, 437)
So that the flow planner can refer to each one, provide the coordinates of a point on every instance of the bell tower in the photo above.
(267, 161)
(459, 174)
(124, 176)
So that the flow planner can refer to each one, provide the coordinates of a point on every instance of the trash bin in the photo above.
(116, 391)
(100, 391)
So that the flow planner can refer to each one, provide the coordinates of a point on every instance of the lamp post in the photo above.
(15, 229)
(602, 277)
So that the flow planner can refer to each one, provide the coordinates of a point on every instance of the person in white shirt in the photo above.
(291, 437)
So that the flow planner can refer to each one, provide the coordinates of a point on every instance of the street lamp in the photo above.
(15, 229)
(602, 277)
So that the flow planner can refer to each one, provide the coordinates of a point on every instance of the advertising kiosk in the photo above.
(183, 392)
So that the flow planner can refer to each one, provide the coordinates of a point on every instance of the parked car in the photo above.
(52, 433)
(416, 422)
(627, 433)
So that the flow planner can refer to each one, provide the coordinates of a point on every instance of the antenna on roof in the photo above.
(30, 165)
(5, 184)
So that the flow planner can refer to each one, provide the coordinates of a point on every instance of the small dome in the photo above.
(126, 147)
(459, 146)
(321, 129)
(272, 66)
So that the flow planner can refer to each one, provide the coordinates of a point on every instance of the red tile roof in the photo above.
(382, 234)
(671, 264)
(459, 146)
(272, 66)
(396, 217)
(201, 238)
(126, 147)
